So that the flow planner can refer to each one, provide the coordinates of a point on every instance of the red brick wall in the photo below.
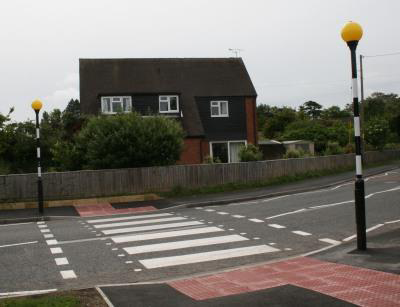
(194, 151)
(251, 120)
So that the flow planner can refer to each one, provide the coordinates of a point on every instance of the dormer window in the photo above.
(116, 104)
(219, 108)
(169, 104)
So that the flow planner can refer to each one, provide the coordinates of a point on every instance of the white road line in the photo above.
(330, 241)
(256, 220)
(207, 256)
(21, 293)
(41, 223)
(69, 274)
(331, 205)
(238, 216)
(374, 227)
(44, 230)
(276, 226)
(56, 250)
(16, 224)
(168, 219)
(105, 298)
(48, 236)
(380, 192)
(61, 261)
(282, 214)
(42, 226)
(209, 210)
(51, 242)
(17, 244)
(183, 244)
(167, 234)
(127, 218)
(301, 233)
(151, 227)
(391, 222)
(222, 213)
(349, 238)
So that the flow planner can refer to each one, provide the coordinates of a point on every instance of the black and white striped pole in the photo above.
(351, 34)
(36, 106)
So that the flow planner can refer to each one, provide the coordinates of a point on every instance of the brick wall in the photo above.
(251, 120)
(194, 151)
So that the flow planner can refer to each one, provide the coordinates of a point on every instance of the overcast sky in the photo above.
(292, 49)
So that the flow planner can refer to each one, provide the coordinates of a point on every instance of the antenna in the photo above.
(236, 51)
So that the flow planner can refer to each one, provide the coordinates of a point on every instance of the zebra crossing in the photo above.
(166, 240)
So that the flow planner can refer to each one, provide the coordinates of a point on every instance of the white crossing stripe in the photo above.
(61, 261)
(238, 216)
(301, 233)
(222, 213)
(127, 218)
(166, 234)
(276, 226)
(42, 226)
(51, 242)
(168, 219)
(48, 236)
(151, 227)
(56, 250)
(330, 241)
(207, 256)
(256, 220)
(210, 210)
(183, 244)
(44, 230)
(68, 274)
(40, 223)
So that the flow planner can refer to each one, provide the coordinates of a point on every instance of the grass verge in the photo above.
(179, 191)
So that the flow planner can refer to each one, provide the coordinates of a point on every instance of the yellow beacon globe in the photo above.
(352, 31)
(37, 105)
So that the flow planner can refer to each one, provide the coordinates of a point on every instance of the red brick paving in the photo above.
(359, 286)
(88, 210)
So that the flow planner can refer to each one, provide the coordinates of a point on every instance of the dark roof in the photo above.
(190, 77)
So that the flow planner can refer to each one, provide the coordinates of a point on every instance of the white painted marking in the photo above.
(127, 218)
(384, 191)
(287, 249)
(51, 242)
(61, 261)
(69, 274)
(243, 233)
(286, 213)
(128, 262)
(42, 226)
(333, 204)
(56, 250)
(222, 213)
(274, 198)
(391, 222)
(108, 243)
(23, 293)
(301, 233)
(44, 230)
(349, 238)
(17, 244)
(138, 270)
(167, 234)
(330, 241)
(355, 88)
(207, 256)
(199, 208)
(238, 216)
(374, 227)
(121, 255)
(114, 249)
(40, 223)
(272, 243)
(152, 227)
(358, 165)
(256, 238)
(183, 244)
(105, 298)
(15, 224)
(256, 220)
(48, 236)
(276, 226)
(231, 229)
(210, 210)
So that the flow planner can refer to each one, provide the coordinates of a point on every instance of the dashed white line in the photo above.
(276, 226)
(56, 250)
(17, 244)
(287, 213)
(69, 274)
(222, 213)
(209, 210)
(51, 242)
(330, 241)
(301, 233)
(61, 261)
(48, 236)
(44, 230)
(238, 216)
(256, 220)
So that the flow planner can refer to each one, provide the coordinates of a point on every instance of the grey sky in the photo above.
(292, 48)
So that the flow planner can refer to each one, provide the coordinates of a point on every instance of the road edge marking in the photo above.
(105, 298)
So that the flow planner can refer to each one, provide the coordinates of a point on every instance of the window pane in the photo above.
(173, 104)
(163, 98)
(116, 99)
(220, 151)
(105, 105)
(224, 108)
(214, 111)
(163, 106)
(234, 148)
(117, 107)
(214, 103)
(126, 104)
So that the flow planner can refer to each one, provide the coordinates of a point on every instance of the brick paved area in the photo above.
(88, 210)
(359, 286)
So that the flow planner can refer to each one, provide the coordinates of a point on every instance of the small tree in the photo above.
(377, 132)
(250, 153)
(333, 148)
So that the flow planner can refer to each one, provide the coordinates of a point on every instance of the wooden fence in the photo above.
(98, 183)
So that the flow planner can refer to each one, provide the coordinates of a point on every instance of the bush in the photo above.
(377, 132)
(350, 148)
(333, 148)
(250, 153)
(392, 146)
(294, 154)
(211, 160)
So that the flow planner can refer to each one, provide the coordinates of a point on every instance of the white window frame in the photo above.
(217, 103)
(229, 147)
(169, 103)
(129, 109)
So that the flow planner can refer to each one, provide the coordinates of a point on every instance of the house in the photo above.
(213, 98)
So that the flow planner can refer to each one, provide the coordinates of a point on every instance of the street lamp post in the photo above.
(36, 106)
(351, 34)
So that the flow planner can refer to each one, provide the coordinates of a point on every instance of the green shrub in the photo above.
(250, 153)
(211, 160)
(350, 148)
(293, 154)
(333, 148)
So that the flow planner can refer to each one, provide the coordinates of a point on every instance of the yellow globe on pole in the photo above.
(352, 31)
(37, 105)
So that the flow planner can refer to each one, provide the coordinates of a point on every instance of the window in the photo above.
(116, 104)
(219, 109)
(226, 152)
(169, 104)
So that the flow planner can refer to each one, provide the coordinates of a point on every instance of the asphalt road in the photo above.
(163, 245)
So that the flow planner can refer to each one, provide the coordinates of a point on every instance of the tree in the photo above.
(278, 120)
(312, 109)
(334, 113)
(250, 153)
(123, 140)
(377, 132)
